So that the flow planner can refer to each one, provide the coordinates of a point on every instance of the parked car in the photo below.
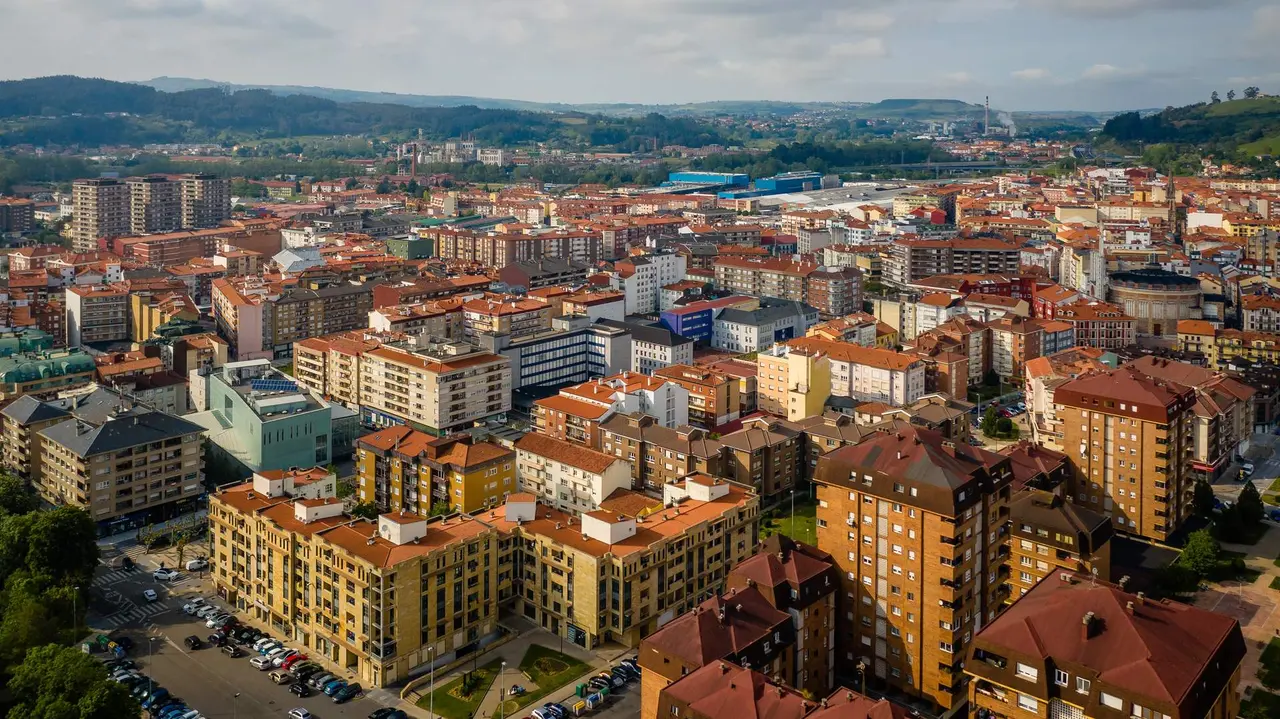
(333, 686)
(176, 709)
(279, 659)
(262, 664)
(299, 713)
(299, 689)
(150, 595)
(1275, 515)
(304, 670)
(281, 677)
(217, 639)
(212, 622)
(261, 642)
(347, 693)
(191, 606)
(269, 647)
(1248, 468)
(165, 575)
(193, 642)
(318, 682)
(293, 661)
(195, 565)
(116, 664)
(556, 710)
(155, 697)
(232, 651)
(206, 610)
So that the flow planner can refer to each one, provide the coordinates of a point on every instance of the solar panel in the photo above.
(273, 385)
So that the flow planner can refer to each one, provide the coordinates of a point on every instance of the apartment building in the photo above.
(835, 291)
(380, 599)
(499, 316)
(654, 347)
(17, 215)
(1221, 346)
(790, 280)
(743, 330)
(911, 260)
(858, 328)
(1044, 375)
(642, 277)
(1260, 313)
(767, 454)
(433, 319)
(572, 478)
(713, 397)
(630, 565)
(1098, 324)
(665, 400)
(439, 387)
(330, 365)
(97, 313)
(264, 320)
(801, 580)
(126, 467)
(660, 455)
(399, 468)
(1129, 437)
(740, 627)
(1049, 535)
(914, 523)
(793, 381)
(21, 422)
(1014, 341)
(1223, 410)
(206, 200)
(573, 350)
(1077, 647)
(43, 372)
(155, 204)
(101, 211)
(868, 374)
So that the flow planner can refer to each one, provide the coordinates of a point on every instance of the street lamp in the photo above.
(862, 672)
(75, 607)
(431, 652)
(793, 510)
(502, 690)
(151, 684)
(234, 697)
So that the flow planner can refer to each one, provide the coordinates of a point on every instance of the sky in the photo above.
(1024, 54)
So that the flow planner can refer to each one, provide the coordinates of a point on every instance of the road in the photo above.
(623, 705)
(206, 679)
(1265, 470)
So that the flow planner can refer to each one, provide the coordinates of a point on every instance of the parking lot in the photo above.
(205, 679)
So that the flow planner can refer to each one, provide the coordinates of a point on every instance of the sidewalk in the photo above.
(1254, 604)
(512, 653)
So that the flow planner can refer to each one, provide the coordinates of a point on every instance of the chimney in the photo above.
(1142, 598)
(1123, 581)
(1128, 607)
(1087, 625)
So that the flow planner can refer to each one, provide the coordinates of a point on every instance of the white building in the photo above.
(875, 375)
(933, 310)
(653, 348)
(568, 476)
(632, 392)
(739, 330)
(642, 277)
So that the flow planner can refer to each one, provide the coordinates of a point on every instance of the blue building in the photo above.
(790, 182)
(696, 320)
(729, 179)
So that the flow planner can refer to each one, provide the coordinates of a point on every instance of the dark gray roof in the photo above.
(29, 410)
(133, 429)
(769, 311)
(649, 333)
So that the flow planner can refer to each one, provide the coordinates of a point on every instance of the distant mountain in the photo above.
(84, 111)
(922, 110)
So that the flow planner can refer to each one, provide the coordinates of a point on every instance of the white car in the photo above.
(213, 620)
(262, 664)
(206, 611)
(195, 565)
(194, 605)
(299, 713)
(150, 595)
(279, 659)
(165, 575)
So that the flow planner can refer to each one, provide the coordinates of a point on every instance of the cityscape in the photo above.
(326, 402)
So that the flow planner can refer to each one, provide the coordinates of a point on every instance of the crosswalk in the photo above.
(140, 612)
(106, 579)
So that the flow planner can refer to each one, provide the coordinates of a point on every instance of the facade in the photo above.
(713, 398)
(574, 350)
(97, 313)
(155, 204)
(751, 330)
(1050, 535)
(1081, 648)
(263, 321)
(1129, 438)
(660, 455)
(101, 211)
(634, 563)
(567, 476)
(206, 200)
(1043, 377)
(124, 470)
(43, 373)
(17, 215)
(399, 468)
(1156, 299)
(378, 598)
(1101, 325)
(914, 523)
(441, 387)
(767, 454)
(654, 347)
(912, 260)
(642, 277)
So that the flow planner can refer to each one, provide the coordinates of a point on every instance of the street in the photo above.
(1265, 456)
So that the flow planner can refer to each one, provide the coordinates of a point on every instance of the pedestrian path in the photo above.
(106, 579)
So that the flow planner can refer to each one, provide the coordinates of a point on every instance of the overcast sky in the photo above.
(1026, 54)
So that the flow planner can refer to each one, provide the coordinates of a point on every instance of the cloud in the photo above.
(1129, 8)
(1031, 73)
(960, 77)
(870, 47)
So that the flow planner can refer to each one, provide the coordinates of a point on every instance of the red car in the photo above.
(1007, 413)
(293, 660)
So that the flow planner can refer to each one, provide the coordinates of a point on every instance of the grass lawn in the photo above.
(449, 701)
(1261, 704)
(805, 526)
(1275, 582)
(287, 369)
(549, 669)
(1275, 487)
(1269, 665)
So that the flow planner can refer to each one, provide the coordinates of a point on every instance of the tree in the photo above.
(55, 682)
(383, 188)
(439, 509)
(367, 510)
(991, 378)
(1203, 500)
(1004, 427)
(1251, 507)
(63, 545)
(182, 549)
(1201, 553)
(1214, 99)
(352, 183)
(15, 496)
(1231, 95)
(1251, 92)
(990, 420)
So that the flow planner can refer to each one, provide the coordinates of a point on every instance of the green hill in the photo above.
(921, 110)
(84, 111)
(1247, 127)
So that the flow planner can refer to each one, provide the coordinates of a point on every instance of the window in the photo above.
(1027, 672)
(1111, 701)
(945, 646)
(1024, 702)
(675, 711)
(1060, 677)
